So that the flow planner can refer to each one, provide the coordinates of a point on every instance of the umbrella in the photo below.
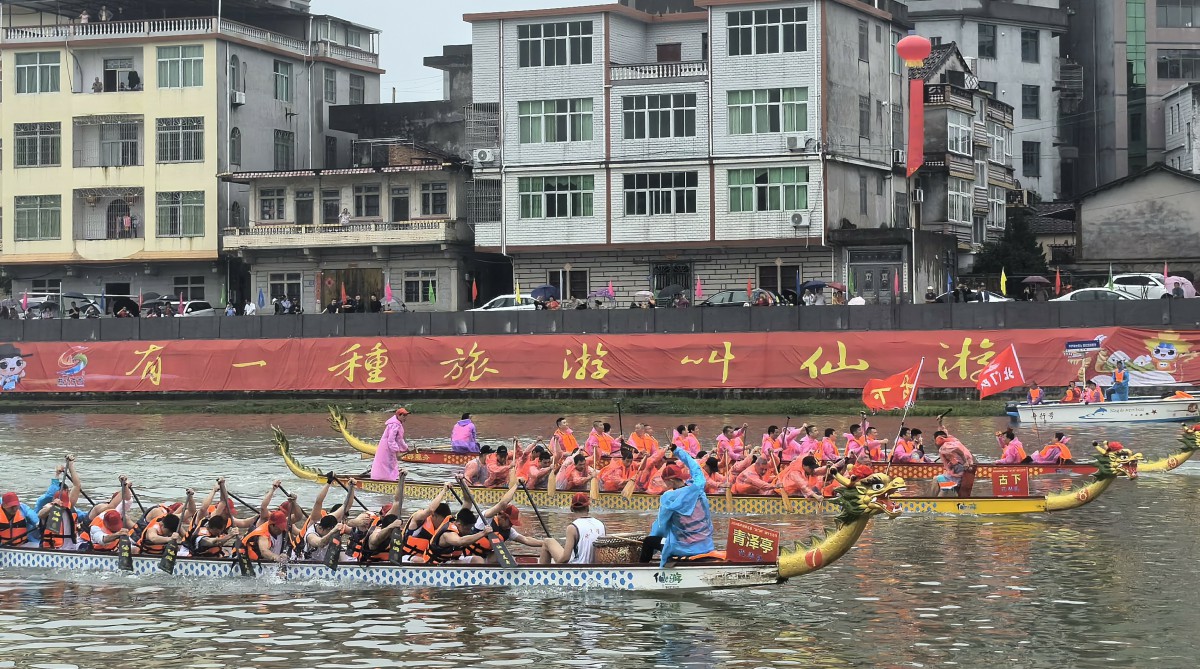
(150, 296)
(1188, 289)
(10, 303)
(129, 304)
(643, 293)
(670, 291)
(545, 292)
(837, 285)
(1036, 279)
(812, 285)
(74, 296)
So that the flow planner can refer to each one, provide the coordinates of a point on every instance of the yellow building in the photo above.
(116, 127)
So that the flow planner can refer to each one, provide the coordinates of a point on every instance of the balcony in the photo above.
(980, 200)
(949, 94)
(697, 69)
(980, 135)
(358, 232)
(106, 214)
(1062, 254)
(956, 164)
(107, 31)
(1000, 175)
(998, 111)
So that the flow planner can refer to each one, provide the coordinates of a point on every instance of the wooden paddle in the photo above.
(167, 561)
(533, 504)
(502, 553)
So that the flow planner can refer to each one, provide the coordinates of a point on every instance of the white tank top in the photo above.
(589, 529)
(318, 554)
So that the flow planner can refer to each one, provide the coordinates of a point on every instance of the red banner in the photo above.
(953, 359)
(751, 543)
(1009, 482)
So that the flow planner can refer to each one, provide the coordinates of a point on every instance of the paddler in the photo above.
(729, 441)
(596, 440)
(800, 442)
(714, 480)
(643, 439)
(1055, 453)
(499, 468)
(18, 523)
(618, 472)
(1035, 395)
(423, 525)
(1119, 391)
(321, 527)
(386, 465)
(503, 518)
(1014, 450)
(476, 471)
(875, 445)
(1073, 394)
(956, 459)
(856, 441)
(754, 480)
(905, 450)
(106, 531)
(266, 542)
(772, 442)
(575, 474)
(684, 526)
(802, 477)
(692, 439)
(579, 546)
(66, 537)
(537, 468)
(829, 449)
(462, 436)
(563, 442)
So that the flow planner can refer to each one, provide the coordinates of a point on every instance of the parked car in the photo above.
(974, 296)
(737, 298)
(191, 308)
(507, 303)
(1142, 286)
(1091, 295)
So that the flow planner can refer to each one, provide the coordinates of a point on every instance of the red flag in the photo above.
(343, 292)
(1002, 373)
(749, 288)
(1165, 275)
(916, 126)
(1057, 282)
(474, 290)
(140, 296)
(895, 392)
(181, 303)
(896, 283)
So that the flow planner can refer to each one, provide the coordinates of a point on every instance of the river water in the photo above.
(1111, 584)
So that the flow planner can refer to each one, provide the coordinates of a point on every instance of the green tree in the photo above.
(1017, 253)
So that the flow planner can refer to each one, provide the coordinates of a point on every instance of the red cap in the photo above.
(174, 508)
(861, 471)
(63, 496)
(385, 509)
(1114, 446)
(11, 499)
(279, 520)
(112, 520)
(286, 507)
(580, 501)
(675, 471)
(401, 411)
(514, 514)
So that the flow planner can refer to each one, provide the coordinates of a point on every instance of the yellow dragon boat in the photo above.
(1110, 465)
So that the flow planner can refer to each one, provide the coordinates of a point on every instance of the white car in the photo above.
(1091, 295)
(508, 303)
(191, 308)
(1142, 286)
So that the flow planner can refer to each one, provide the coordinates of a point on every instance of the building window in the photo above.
(181, 140)
(420, 286)
(304, 207)
(1179, 63)
(556, 197)
(958, 132)
(331, 85)
(898, 135)
(37, 217)
(576, 282)
(988, 87)
(38, 144)
(181, 214)
(768, 110)
(979, 230)
(778, 279)
(366, 201)
(552, 44)
(358, 89)
(354, 38)
(331, 152)
(1030, 46)
(46, 286)
(1178, 13)
(284, 283)
(1031, 159)
(235, 215)
(189, 287)
(283, 81)
(862, 193)
(864, 116)
(897, 61)
(120, 146)
(235, 73)
(555, 120)
(331, 205)
(235, 146)
(657, 116)
(1001, 143)
(935, 40)
(434, 199)
(768, 189)
(996, 207)
(400, 203)
(38, 72)
(271, 203)
(864, 41)
(285, 150)
(180, 66)
(768, 31)
(658, 193)
(1031, 98)
(959, 194)
(987, 40)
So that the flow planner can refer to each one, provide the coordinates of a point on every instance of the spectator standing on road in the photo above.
(249, 309)
(230, 310)
(930, 296)
(376, 305)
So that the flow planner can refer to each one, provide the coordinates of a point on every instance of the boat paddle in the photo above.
(124, 544)
(504, 555)
(533, 504)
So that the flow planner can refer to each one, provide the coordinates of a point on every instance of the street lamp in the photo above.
(779, 276)
(564, 290)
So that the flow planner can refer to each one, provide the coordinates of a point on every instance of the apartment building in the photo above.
(1013, 49)
(117, 125)
(1181, 108)
(721, 144)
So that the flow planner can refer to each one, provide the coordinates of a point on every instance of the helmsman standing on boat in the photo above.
(386, 466)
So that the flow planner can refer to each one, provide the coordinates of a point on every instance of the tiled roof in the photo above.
(1044, 225)
(937, 57)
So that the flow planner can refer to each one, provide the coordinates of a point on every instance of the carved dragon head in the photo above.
(867, 496)
(1114, 460)
(1190, 438)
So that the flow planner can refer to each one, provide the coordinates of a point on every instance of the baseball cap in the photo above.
(580, 502)
(112, 520)
(385, 509)
(11, 499)
(514, 514)
(175, 507)
(279, 520)
(402, 411)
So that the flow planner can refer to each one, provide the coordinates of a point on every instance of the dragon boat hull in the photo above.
(1141, 410)
(682, 578)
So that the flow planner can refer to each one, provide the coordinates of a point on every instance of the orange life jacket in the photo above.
(56, 541)
(108, 546)
(1035, 395)
(211, 551)
(365, 544)
(1072, 397)
(144, 543)
(484, 546)
(251, 540)
(417, 542)
(13, 531)
(438, 553)
(569, 444)
(1119, 376)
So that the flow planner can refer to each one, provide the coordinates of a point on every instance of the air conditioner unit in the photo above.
(918, 195)
(899, 157)
(799, 220)
(795, 143)
(483, 155)
(237, 98)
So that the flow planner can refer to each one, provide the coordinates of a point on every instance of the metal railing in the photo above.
(695, 68)
(335, 233)
(941, 94)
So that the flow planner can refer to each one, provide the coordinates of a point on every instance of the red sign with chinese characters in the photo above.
(751, 543)
(1010, 482)
(953, 359)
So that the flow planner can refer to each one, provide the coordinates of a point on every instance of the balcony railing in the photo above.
(1000, 175)
(943, 94)
(355, 233)
(1062, 254)
(696, 68)
(962, 165)
(107, 30)
(999, 111)
(980, 135)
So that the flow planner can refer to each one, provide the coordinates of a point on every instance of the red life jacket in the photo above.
(13, 531)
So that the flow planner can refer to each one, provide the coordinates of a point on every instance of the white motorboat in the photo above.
(1136, 410)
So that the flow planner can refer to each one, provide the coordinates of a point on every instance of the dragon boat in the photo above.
(910, 471)
(1109, 466)
(859, 502)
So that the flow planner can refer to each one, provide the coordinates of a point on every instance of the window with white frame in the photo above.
(235, 73)
(285, 150)
(656, 116)
(958, 132)
(180, 66)
(434, 198)
(768, 110)
(765, 31)
(284, 283)
(358, 89)
(958, 205)
(552, 44)
(556, 197)
(354, 38)
(1001, 137)
(656, 193)
(37, 217)
(37, 144)
(566, 120)
(190, 287)
(897, 61)
(38, 72)
(283, 81)
(366, 201)
(996, 218)
(271, 203)
(180, 214)
(46, 286)
(420, 286)
(181, 140)
(768, 189)
(330, 85)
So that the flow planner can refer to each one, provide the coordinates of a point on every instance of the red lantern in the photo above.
(914, 49)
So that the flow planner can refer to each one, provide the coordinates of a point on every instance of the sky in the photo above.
(408, 36)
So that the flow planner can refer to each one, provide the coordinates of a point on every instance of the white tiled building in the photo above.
(1180, 108)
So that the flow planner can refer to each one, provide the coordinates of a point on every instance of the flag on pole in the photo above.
(749, 288)
(1110, 277)
(517, 288)
(611, 292)
(387, 292)
(103, 301)
(262, 300)
(140, 296)
(1058, 282)
(25, 301)
(1165, 275)
(896, 283)
(474, 290)
(1002, 373)
(1003, 282)
(180, 303)
(849, 284)
(343, 292)
(895, 392)
(699, 293)
(432, 294)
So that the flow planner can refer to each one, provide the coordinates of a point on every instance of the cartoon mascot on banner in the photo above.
(12, 367)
